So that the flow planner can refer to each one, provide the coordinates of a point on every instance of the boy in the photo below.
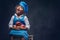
(19, 23)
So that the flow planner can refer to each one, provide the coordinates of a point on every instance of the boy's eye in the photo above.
(18, 10)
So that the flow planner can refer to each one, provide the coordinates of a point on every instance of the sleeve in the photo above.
(11, 22)
(27, 22)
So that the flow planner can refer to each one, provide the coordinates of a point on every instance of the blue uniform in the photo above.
(19, 32)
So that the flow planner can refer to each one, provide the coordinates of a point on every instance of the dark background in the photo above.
(44, 17)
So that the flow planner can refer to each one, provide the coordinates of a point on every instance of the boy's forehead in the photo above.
(19, 7)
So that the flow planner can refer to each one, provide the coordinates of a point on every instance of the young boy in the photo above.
(19, 22)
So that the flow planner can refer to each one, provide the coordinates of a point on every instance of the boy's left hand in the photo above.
(22, 27)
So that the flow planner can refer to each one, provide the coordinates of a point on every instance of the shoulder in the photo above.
(25, 17)
(12, 16)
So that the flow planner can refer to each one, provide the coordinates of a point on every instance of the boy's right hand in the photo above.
(14, 26)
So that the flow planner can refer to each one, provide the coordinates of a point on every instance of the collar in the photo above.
(19, 16)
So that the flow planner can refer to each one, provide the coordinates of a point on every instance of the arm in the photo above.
(11, 26)
(11, 22)
(27, 22)
(27, 25)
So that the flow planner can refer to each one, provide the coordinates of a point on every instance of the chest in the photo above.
(18, 19)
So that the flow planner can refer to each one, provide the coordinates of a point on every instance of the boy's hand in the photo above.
(19, 27)
(23, 27)
(14, 27)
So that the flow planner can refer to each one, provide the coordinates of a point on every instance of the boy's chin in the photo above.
(19, 14)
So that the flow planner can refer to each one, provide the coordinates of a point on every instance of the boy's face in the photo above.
(19, 10)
